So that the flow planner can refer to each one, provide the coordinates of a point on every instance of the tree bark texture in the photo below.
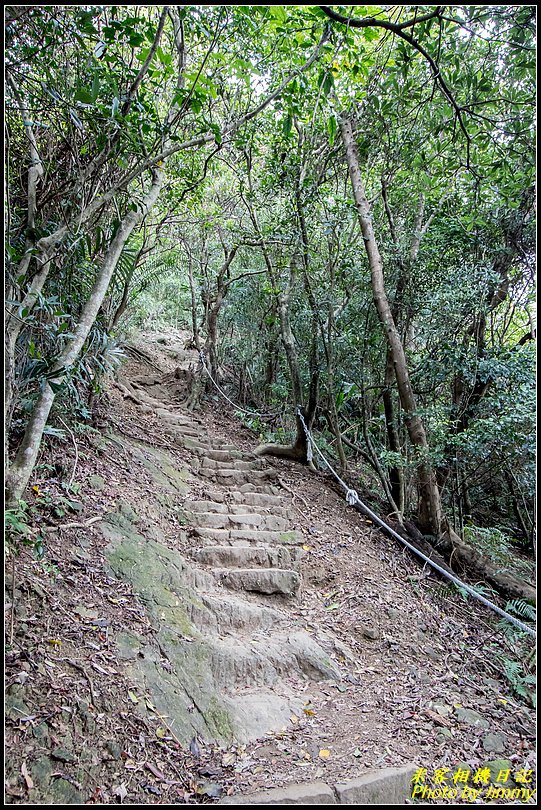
(430, 514)
(24, 461)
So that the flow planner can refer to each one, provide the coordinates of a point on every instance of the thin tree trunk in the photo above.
(430, 513)
(25, 459)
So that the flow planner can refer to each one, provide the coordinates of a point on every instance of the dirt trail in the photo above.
(258, 632)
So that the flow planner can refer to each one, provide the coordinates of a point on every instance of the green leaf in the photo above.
(279, 13)
(287, 124)
(84, 96)
(332, 126)
(95, 88)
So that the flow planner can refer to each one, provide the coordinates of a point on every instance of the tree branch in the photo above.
(398, 30)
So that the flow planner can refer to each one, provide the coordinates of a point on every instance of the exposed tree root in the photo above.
(463, 556)
(474, 561)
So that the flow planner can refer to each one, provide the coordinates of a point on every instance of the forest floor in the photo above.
(421, 669)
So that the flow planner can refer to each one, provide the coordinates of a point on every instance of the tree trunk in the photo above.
(298, 451)
(14, 326)
(430, 513)
(25, 459)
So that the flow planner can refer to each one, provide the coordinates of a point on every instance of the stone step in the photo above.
(235, 509)
(261, 580)
(221, 536)
(277, 512)
(238, 477)
(207, 506)
(248, 556)
(286, 538)
(177, 418)
(227, 613)
(258, 499)
(180, 433)
(221, 455)
(230, 476)
(249, 497)
(239, 537)
(263, 659)
(224, 520)
(189, 443)
(231, 464)
(268, 474)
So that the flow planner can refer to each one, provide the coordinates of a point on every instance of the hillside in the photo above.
(204, 622)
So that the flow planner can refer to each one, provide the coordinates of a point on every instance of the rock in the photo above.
(442, 709)
(387, 786)
(244, 556)
(96, 482)
(114, 749)
(63, 754)
(471, 718)
(311, 657)
(369, 632)
(494, 743)
(128, 644)
(41, 732)
(307, 793)
(497, 766)
(14, 706)
(262, 580)
(76, 506)
(250, 520)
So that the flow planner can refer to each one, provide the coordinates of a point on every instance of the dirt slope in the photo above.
(229, 624)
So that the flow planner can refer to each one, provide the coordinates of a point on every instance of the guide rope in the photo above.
(237, 407)
(353, 499)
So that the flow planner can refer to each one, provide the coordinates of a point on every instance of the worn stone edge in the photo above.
(308, 792)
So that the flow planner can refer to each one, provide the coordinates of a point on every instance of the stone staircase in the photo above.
(237, 584)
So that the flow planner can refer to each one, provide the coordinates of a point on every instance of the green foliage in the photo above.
(519, 670)
(463, 302)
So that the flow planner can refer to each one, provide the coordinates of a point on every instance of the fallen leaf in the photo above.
(133, 697)
(120, 791)
(155, 771)
(324, 753)
(309, 712)
(437, 718)
(27, 777)
(211, 789)
(100, 669)
(161, 732)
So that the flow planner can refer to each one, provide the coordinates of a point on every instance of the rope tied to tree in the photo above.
(353, 499)
(237, 407)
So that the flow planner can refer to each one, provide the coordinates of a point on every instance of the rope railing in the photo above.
(237, 407)
(353, 499)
